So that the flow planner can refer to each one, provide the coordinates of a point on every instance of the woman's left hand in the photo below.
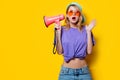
(91, 25)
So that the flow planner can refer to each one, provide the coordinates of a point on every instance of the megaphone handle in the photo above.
(57, 22)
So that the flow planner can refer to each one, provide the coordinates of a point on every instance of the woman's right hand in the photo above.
(57, 26)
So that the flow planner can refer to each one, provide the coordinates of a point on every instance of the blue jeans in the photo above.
(74, 74)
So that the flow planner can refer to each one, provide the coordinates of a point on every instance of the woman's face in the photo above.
(73, 14)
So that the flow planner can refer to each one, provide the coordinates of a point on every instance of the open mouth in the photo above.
(73, 18)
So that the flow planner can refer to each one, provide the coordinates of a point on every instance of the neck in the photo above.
(73, 25)
(76, 26)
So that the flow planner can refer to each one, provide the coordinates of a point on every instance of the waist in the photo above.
(66, 70)
(75, 63)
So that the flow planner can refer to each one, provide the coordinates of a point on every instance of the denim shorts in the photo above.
(75, 74)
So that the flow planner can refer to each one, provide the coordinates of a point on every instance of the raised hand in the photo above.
(91, 25)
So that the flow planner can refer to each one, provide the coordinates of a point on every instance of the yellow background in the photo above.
(26, 44)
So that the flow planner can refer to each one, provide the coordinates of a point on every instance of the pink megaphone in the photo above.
(53, 19)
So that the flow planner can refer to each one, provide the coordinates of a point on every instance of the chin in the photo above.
(73, 22)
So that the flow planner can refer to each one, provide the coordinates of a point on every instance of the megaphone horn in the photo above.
(53, 19)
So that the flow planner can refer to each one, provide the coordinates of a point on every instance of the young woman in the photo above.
(74, 41)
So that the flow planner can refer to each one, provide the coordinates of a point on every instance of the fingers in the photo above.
(57, 25)
(92, 24)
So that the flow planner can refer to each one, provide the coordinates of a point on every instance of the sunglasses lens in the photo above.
(77, 13)
(70, 13)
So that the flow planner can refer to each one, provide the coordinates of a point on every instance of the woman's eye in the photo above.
(70, 13)
(77, 13)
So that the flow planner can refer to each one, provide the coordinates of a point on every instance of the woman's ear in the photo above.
(67, 16)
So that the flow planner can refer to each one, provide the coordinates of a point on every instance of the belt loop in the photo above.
(67, 71)
(75, 71)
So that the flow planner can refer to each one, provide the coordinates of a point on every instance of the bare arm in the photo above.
(89, 42)
(89, 36)
(58, 39)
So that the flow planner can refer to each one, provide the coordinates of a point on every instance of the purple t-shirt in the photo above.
(74, 43)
